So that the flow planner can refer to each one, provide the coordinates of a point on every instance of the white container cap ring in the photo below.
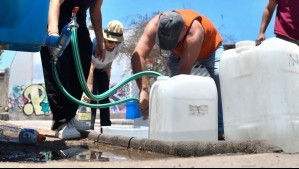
(244, 45)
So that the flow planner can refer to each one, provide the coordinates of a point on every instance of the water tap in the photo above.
(73, 22)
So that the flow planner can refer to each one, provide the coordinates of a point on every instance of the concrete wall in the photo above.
(4, 88)
(26, 91)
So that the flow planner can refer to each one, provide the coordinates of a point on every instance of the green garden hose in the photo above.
(82, 78)
(83, 81)
(65, 92)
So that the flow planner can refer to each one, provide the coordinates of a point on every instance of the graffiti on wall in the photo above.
(15, 98)
(29, 100)
(119, 95)
(33, 100)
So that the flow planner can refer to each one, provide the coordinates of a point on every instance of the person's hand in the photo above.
(51, 49)
(144, 104)
(53, 34)
(85, 98)
(260, 39)
(100, 51)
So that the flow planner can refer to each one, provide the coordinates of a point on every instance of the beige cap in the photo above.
(114, 31)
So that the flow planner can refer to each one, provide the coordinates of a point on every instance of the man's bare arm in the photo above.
(142, 50)
(266, 18)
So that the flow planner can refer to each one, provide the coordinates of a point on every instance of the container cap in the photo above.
(244, 45)
(41, 138)
(163, 77)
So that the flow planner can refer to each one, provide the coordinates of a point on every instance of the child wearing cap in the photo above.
(100, 70)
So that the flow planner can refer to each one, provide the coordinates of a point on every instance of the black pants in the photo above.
(61, 106)
(100, 85)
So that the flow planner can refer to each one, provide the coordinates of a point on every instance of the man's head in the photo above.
(171, 25)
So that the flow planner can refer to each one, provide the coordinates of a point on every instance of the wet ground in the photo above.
(85, 153)
(79, 150)
(54, 149)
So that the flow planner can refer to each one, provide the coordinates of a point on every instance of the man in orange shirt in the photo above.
(193, 41)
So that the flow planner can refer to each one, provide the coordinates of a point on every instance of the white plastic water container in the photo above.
(260, 89)
(183, 108)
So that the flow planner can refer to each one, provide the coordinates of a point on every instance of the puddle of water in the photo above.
(98, 153)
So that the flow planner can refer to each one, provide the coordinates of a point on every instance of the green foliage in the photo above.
(154, 61)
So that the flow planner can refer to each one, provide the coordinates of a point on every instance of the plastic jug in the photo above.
(259, 87)
(83, 113)
(183, 108)
(23, 25)
(20, 135)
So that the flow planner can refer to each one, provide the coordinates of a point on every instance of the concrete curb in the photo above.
(184, 148)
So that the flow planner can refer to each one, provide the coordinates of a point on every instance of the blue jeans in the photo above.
(211, 68)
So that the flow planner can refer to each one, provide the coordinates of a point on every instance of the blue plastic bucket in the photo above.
(23, 24)
(132, 110)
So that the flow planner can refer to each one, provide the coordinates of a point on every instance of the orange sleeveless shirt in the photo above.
(212, 37)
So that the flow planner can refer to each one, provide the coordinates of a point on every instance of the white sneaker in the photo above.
(80, 125)
(67, 131)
